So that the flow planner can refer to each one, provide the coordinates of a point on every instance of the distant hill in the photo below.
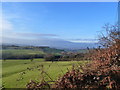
(54, 43)
(44, 49)
(27, 52)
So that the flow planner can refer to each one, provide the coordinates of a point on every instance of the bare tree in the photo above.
(112, 37)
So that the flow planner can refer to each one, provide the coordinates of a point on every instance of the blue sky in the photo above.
(68, 21)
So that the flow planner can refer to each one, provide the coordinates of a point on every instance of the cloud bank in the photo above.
(84, 40)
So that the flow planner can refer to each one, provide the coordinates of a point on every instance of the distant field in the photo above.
(13, 69)
(20, 53)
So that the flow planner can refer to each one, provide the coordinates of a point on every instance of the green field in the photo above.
(17, 73)
(22, 51)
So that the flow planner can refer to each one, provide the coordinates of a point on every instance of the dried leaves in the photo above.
(103, 72)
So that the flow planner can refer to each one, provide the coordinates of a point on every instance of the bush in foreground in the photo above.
(102, 72)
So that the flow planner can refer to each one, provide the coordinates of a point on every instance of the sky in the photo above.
(74, 22)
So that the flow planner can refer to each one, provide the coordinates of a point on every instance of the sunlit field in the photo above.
(17, 73)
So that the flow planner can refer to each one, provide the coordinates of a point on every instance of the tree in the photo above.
(112, 36)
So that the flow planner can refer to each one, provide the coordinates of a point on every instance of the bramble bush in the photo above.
(102, 72)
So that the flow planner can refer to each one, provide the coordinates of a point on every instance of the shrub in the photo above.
(103, 72)
(51, 57)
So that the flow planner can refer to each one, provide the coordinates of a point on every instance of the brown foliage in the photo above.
(103, 72)
(36, 85)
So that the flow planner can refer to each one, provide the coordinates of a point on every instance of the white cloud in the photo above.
(84, 41)
(7, 30)
(27, 36)
(6, 25)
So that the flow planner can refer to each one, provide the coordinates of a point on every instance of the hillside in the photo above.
(26, 52)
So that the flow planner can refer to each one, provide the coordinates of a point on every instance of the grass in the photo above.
(21, 51)
(13, 69)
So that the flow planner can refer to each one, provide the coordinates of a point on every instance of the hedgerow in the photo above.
(103, 71)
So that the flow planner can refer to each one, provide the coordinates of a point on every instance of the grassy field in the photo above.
(17, 73)
(21, 52)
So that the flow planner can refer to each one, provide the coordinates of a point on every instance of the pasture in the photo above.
(21, 53)
(17, 73)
